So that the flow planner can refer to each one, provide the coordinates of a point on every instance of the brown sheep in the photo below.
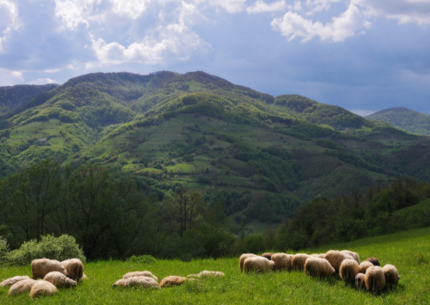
(258, 264)
(318, 267)
(348, 270)
(374, 261)
(140, 273)
(360, 280)
(41, 267)
(321, 255)
(335, 258)
(59, 280)
(9, 282)
(138, 281)
(206, 273)
(282, 261)
(242, 259)
(42, 288)
(21, 287)
(84, 277)
(298, 261)
(391, 275)
(172, 280)
(74, 267)
(364, 265)
(267, 255)
(375, 279)
(354, 255)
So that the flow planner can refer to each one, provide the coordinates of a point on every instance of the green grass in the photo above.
(409, 251)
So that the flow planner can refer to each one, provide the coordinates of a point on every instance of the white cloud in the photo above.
(349, 23)
(362, 112)
(8, 77)
(9, 21)
(262, 7)
(405, 11)
(42, 81)
(319, 5)
(231, 6)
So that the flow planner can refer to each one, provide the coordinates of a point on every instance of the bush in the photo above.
(3, 248)
(143, 259)
(60, 248)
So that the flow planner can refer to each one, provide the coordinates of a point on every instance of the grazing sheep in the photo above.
(59, 280)
(242, 259)
(360, 279)
(267, 255)
(42, 288)
(74, 267)
(282, 261)
(173, 280)
(21, 287)
(298, 261)
(364, 265)
(375, 279)
(84, 277)
(318, 267)
(321, 255)
(258, 264)
(140, 273)
(206, 273)
(9, 282)
(374, 261)
(348, 270)
(391, 275)
(335, 258)
(354, 255)
(41, 267)
(137, 281)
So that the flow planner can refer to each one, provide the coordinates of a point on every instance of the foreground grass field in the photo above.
(409, 251)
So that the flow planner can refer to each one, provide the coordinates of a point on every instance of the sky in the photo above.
(362, 55)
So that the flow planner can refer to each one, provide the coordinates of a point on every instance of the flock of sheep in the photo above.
(368, 274)
(68, 273)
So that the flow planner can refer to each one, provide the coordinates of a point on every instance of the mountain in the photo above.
(261, 156)
(406, 119)
(12, 97)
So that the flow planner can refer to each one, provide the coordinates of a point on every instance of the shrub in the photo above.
(60, 248)
(142, 259)
(3, 248)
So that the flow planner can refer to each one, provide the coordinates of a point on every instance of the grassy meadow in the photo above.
(409, 251)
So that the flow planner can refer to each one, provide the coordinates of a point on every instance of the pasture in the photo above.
(409, 251)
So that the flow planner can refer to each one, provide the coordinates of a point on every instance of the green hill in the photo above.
(262, 156)
(406, 119)
(408, 251)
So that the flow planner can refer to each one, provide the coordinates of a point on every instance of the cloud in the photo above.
(362, 112)
(262, 7)
(43, 81)
(231, 6)
(8, 77)
(348, 24)
(9, 21)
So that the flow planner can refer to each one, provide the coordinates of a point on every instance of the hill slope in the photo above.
(261, 156)
(406, 119)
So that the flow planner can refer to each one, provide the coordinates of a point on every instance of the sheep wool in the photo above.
(42, 288)
(375, 279)
(349, 268)
(359, 280)
(9, 282)
(364, 265)
(206, 273)
(74, 267)
(267, 255)
(21, 287)
(41, 267)
(298, 261)
(173, 280)
(59, 280)
(84, 277)
(258, 264)
(374, 261)
(140, 273)
(282, 261)
(354, 255)
(320, 255)
(242, 259)
(318, 267)
(391, 275)
(335, 258)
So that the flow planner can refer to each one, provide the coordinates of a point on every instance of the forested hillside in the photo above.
(260, 156)
(406, 119)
